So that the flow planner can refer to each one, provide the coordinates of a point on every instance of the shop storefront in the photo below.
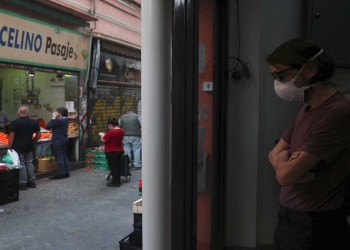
(42, 66)
(117, 87)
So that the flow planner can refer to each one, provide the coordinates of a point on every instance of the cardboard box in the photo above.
(137, 207)
(47, 164)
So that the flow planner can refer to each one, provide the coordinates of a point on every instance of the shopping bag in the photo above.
(14, 156)
(7, 159)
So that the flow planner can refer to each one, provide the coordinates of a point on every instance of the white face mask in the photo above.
(288, 91)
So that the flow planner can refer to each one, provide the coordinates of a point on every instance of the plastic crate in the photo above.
(137, 219)
(8, 183)
(11, 188)
(138, 235)
(129, 243)
(9, 176)
(9, 197)
(90, 153)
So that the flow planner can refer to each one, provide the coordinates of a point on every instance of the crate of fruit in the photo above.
(47, 164)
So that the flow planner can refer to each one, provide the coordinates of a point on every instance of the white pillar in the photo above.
(155, 99)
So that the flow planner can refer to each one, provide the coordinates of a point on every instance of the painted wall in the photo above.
(117, 20)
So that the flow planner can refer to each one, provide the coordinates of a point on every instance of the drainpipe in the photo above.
(155, 92)
(93, 11)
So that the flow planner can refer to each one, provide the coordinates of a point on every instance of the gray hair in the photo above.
(23, 110)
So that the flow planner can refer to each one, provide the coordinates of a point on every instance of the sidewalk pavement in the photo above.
(75, 213)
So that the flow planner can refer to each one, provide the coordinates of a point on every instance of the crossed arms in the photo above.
(292, 169)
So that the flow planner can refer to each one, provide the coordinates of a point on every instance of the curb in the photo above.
(73, 166)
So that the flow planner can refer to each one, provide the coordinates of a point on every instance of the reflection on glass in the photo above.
(205, 122)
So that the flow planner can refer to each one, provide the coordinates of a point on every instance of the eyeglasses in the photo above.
(277, 75)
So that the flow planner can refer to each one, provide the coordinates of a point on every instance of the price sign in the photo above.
(70, 106)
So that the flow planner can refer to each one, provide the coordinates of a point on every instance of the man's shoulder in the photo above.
(129, 114)
(15, 121)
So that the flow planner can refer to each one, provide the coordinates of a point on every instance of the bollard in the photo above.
(140, 186)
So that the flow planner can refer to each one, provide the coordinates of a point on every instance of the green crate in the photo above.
(100, 166)
(97, 166)
(101, 160)
(89, 153)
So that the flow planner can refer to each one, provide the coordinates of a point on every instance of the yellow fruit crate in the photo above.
(47, 164)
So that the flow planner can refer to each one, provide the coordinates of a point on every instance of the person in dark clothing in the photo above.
(114, 150)
(59, 126)
(311, 160)
(21, 140)
(4, 121)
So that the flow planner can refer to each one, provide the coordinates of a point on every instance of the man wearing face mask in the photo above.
(311, 159)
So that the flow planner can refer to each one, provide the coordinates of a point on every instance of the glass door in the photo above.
(205, 123)
(211, 99)
(197, 125)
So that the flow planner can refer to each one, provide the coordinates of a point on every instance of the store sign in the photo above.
(119, 70)
(28, 41)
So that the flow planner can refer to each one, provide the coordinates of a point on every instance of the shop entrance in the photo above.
(42, 91)
(110, 102)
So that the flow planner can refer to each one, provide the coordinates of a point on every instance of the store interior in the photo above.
(43, 91)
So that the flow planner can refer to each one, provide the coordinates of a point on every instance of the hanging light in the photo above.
(59, 76)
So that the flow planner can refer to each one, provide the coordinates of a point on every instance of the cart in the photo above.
(124, 168)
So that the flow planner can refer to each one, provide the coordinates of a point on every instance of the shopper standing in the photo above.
(21, 140)
(59, 126)
(4, 121)
(311, 160)
(113, 150)
(131, 123)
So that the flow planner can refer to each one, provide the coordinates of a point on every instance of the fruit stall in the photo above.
(43, 159)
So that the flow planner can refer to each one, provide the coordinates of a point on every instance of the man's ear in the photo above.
(311, 69)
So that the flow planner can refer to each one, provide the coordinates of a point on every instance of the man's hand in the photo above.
(284, 156)
(295, 155)
(280, 147)
(306, 178)
(295, 169)
(54, 115)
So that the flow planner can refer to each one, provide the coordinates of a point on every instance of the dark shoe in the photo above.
(66, 175)
(139, 168)
(22, 186)
(56, 177)
(109, 176)
(31, 184)
(112, 184)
